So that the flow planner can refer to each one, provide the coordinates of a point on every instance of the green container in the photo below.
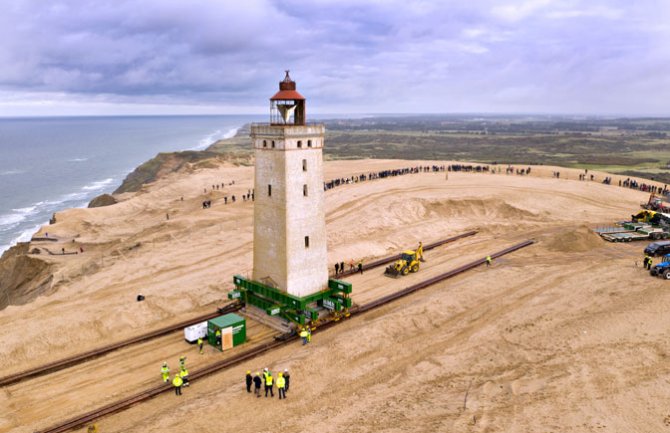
(233, 330)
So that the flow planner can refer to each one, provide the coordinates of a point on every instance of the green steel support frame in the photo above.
(292, 308)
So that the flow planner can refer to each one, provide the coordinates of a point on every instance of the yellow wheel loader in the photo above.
(407, 263)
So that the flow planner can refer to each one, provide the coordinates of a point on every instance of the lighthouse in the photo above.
(290, 252)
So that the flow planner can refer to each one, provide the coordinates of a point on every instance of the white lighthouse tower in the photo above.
(289, 218)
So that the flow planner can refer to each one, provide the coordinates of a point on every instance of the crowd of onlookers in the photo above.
(632, 183)
(381, 175)
(468, 168)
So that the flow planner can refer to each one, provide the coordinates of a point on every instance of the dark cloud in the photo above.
(583, 56)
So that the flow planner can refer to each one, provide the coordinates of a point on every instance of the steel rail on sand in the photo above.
(76, 359)
(249, 354)
(395, 257)
(69, 362)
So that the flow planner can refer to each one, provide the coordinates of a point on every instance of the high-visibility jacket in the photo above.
(165, 370)
(281, 382)
(268, 380)
(303, 333)
(199, 341)
(177, 381)
(183, 373)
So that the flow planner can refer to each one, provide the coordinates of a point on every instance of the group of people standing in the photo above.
(353, 267)
(283, 383)
(180, 379)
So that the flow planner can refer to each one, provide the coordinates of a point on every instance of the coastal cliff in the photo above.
(23, 277)
(234, 150)
(159, 166)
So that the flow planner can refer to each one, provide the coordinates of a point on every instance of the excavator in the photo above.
(652, 217)
(656, 203)
(408, 262)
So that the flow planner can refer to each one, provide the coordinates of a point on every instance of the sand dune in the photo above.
(565, 336)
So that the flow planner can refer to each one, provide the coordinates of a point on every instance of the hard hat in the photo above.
(248, 371)
(286, 370)
(265, 369)
(164, 362)
(280, 375)
(258, 373)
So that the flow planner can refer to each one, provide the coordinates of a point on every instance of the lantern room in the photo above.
(287, 107)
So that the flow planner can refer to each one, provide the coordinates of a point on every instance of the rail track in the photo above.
(389, 259)
(126, 403)
(85, 356)
(230, 308)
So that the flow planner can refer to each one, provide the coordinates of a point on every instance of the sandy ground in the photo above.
(567, 335)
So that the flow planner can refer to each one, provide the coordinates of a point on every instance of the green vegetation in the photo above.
(634, 147)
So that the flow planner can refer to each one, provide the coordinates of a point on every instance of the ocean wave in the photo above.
(11, 172)
(24, 236)
(9, 221)
(210, 139)
(101, 184)
(230, 134)
(25, 210)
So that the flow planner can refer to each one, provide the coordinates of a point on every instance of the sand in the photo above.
(568, 335)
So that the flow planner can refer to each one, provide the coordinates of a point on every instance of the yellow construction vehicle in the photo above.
(643, 216)
(407, 263)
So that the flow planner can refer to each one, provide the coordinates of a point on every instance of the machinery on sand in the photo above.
(408, 262)
(656, 203)
(662, 269)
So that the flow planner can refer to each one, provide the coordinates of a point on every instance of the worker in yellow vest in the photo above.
(177, 382)
(183, 373)
(200, 344)
(419, 252)
(268, 384)
(489, 260)
(281, 386)
(303, 335)
(165, 371)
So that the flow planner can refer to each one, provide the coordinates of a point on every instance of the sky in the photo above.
(100, 57)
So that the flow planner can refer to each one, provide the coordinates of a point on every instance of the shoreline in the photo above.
(82, 197)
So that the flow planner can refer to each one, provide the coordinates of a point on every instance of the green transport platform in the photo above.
(232, 331)
(298, 310)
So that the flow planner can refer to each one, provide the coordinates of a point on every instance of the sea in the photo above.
(56, 163)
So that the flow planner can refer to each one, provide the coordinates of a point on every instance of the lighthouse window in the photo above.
(269, 190)
(304, 165)
(304, 190)
(306, 241)
(273, 144)
(309, 143)
(265, 143)
(299, 143)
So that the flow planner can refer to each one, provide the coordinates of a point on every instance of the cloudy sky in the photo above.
(364, 56)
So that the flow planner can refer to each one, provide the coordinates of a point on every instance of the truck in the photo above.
(662, 269)
(632, 232)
